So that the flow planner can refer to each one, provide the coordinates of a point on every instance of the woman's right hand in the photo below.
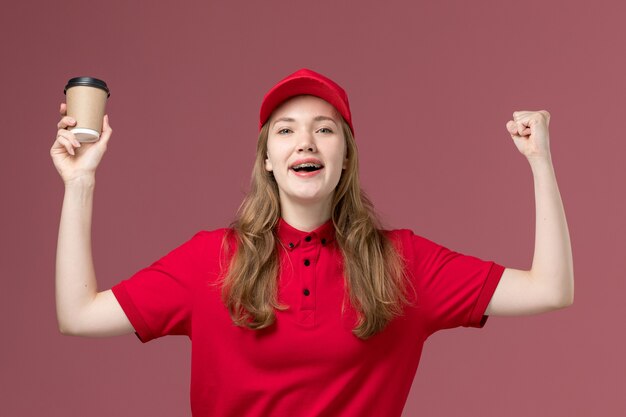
(73, 159)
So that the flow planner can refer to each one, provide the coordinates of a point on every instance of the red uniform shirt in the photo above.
(308, 363)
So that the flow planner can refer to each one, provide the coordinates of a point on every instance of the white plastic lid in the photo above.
(85, 135)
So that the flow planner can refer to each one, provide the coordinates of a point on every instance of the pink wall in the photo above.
(431, 86)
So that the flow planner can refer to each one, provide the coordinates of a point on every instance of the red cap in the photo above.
(305, 81)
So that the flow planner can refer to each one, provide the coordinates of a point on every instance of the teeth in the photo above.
(307, 165)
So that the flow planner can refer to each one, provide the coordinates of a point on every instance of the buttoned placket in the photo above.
(305, 256)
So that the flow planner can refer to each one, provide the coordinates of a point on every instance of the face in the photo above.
(306, 149)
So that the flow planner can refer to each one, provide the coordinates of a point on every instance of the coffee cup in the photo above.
(86, 99)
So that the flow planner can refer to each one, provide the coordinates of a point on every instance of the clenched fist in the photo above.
(529, 131)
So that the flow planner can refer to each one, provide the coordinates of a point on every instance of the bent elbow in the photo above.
(569, 300)
(563, 299)
(564, 303)
(66, 330)
(568, 296)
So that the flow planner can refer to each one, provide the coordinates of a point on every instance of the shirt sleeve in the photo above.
(453, 289)
(158, 299)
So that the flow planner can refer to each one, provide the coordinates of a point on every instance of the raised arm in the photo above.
(81, 310)
(549, 284)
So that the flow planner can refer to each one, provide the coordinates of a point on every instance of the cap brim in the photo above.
(295, 87)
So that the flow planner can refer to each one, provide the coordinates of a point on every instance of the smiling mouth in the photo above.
(307, 167)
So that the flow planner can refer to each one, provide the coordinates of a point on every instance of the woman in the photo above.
(304, 306)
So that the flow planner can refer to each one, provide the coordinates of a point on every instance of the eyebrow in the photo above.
(315, 119)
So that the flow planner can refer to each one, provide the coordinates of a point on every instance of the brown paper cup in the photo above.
(86, 99)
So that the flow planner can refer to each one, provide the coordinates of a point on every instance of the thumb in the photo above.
(511, 126)
(106, 131)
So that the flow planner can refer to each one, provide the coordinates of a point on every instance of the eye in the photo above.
(280, 132)
(325, 130)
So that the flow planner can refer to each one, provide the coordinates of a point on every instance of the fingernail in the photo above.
(72, 120)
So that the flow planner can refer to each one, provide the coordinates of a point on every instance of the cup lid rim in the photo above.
(87, 81)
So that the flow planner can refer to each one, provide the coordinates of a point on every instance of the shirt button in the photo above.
(307, 239)
(291, 245)
(306, 291)
(323, 241)
(306, 262)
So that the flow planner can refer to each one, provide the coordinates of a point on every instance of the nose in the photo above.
(307, 144)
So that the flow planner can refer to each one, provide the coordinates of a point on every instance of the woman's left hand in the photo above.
(529, 131)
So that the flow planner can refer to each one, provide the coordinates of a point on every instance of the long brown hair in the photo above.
(374, 271)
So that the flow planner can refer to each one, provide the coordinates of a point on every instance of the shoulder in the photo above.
(212, 241)
(211, 237)
(413, 246)
(205, 250)
(200, 242)
(409, 237)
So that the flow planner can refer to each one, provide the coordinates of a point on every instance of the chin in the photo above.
(312, 197)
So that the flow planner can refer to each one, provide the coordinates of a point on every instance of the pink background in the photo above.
(431, 84)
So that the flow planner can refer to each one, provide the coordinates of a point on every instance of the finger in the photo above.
(65, 122)
(517, 115)
(63, 109)
(105, 123)
(522, 129)
(514, 129)
(69, 136)
(106, 130)
(65, 142)
(521, 115)
(511, 127)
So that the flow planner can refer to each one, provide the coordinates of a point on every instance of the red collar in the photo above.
(292, 237)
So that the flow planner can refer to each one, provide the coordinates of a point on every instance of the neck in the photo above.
(305, 216)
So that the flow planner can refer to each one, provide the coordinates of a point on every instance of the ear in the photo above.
(268, 164)
(345, 163)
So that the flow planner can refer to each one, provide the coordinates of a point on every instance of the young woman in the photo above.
(304, 306)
